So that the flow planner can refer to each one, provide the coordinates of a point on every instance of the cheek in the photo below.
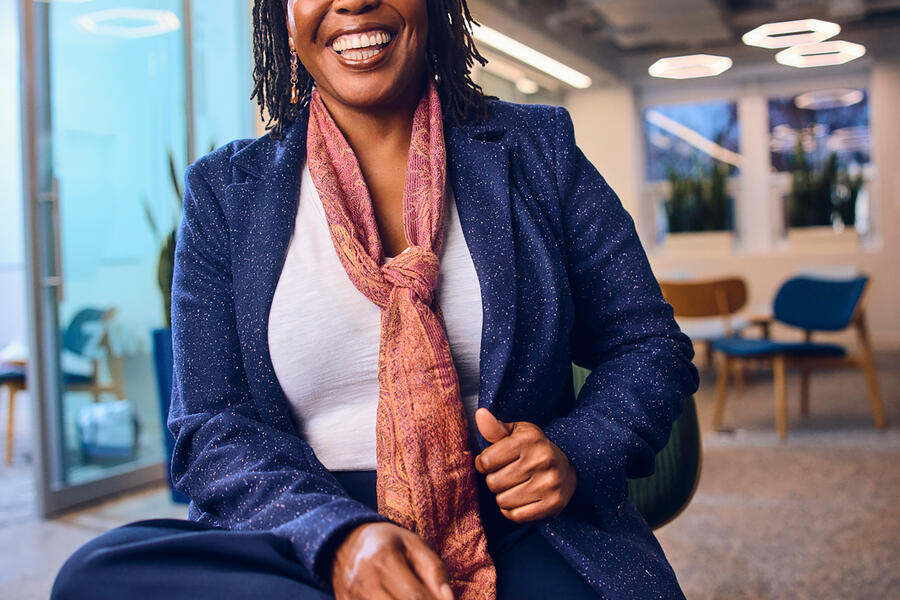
(415, 13)
(304, 19)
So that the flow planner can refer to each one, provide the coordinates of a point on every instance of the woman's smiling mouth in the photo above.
(361, 46)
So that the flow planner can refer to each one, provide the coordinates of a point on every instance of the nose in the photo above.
(354, 7)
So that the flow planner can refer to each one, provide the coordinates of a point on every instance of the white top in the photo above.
(324, 336)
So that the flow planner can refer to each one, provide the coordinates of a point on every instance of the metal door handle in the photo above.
(56, 280)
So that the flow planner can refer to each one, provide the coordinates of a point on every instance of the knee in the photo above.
(82, 574)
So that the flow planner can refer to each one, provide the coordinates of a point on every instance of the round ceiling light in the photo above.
(791, 33)
(129, 22)
(688, 67)
(820, 54)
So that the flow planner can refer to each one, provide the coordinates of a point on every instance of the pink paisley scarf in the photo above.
(425, 470)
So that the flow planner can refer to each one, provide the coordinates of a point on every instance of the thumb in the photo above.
(492, 429)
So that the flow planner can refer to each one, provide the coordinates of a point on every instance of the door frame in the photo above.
(43, 277)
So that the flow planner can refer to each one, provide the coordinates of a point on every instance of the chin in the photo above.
(371, 90)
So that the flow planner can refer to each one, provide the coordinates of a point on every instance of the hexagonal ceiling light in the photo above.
(690, 66)
(791, 33)
(820, 54)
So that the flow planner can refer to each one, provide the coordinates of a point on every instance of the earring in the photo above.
(295, 93)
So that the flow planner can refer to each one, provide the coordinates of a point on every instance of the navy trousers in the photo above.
(171, 559)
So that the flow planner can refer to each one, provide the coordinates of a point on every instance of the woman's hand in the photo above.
(530, 476)
(383, 561)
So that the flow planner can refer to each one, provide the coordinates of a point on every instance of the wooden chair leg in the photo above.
(867, 363)
(739, 377)
(721, 390)
(804, 391)
(708, 349)
(868, 368)
(10, 422)
(781, 413)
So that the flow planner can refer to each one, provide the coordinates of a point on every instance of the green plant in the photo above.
(820, 197)
(700, 201)
(165, 264)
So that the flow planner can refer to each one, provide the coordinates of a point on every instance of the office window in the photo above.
(692, 164)
(820, 148)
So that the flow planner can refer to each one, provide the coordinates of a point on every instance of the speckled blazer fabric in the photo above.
(563, 279)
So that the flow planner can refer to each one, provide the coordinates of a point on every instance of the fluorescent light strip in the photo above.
(689, 67)
(694, 138)
(820, 54)
(531, 57)
(806, 31)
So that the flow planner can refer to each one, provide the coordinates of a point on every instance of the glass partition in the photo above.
(113, 129)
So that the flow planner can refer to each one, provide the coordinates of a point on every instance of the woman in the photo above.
(396, 253)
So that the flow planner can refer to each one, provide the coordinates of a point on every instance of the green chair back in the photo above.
(661, 496)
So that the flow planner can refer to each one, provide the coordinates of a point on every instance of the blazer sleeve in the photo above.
(240, 473)
(624, 332)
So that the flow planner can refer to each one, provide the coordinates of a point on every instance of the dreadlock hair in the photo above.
(450, 56)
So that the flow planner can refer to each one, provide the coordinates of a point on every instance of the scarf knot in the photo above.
(416, 269)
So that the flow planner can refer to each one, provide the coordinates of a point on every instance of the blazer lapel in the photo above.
(266, 209)
(478, 169)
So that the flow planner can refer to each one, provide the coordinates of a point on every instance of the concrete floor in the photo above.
(816, 516)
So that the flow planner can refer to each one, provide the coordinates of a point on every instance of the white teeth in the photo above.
(358, 54)
(365, 40)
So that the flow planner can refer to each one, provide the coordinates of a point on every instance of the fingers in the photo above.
(529, 512)
(492, 429)
(382, 561)
(497, 456)
(402, 579)
(430, 569)
(519, 495)
(508, 477)
(524, 439)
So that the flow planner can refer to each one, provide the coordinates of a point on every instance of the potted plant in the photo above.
(699, 201)
(825, 197)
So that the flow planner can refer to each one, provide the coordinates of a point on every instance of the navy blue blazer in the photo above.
(563, 279)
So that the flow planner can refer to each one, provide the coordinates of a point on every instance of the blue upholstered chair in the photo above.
(812, 305)
(85, 333)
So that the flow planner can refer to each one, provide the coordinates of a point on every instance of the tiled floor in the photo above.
(814, 517)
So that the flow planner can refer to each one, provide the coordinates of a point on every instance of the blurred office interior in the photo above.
(756, 143)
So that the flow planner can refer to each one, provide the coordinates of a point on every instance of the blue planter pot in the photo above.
(162, 357)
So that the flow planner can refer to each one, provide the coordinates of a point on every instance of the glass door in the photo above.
(106, 141)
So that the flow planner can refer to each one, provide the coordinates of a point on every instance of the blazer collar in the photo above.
(478, 170)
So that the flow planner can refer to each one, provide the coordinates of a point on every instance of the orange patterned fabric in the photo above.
(425, 469)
